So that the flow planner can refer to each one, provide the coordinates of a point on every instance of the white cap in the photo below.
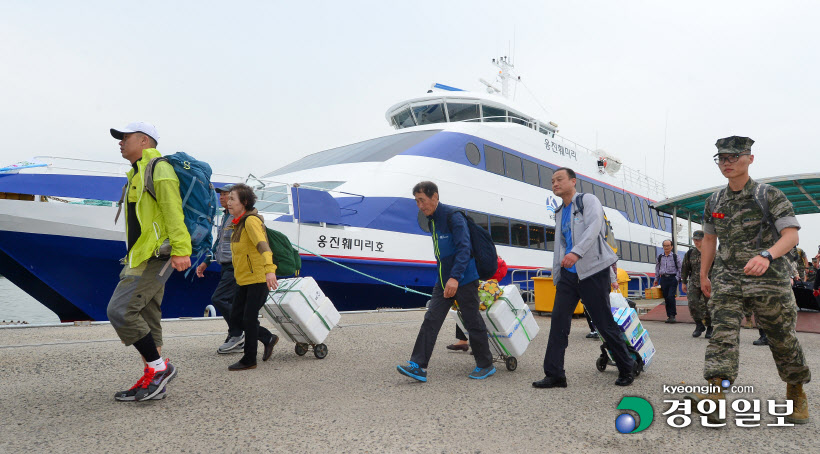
(137, 126)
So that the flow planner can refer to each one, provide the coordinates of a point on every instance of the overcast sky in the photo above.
(251, 85)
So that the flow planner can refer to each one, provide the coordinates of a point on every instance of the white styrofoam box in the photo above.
(616, 299)
(329, 312)
(500, 316)
(314, 328)
(516, 341)
(299, 297)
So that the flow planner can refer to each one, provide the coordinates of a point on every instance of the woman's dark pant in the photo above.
(460, 334)
(247, 302)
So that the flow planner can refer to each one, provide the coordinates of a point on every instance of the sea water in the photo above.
(17, 306)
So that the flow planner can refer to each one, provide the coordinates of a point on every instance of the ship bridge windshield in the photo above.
(448, 111)
(374, 150)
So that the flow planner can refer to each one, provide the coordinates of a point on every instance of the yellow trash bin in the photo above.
(623, 281)
(545, 295)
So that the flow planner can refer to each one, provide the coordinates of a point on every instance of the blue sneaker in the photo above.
(482, 373)
(413, 370)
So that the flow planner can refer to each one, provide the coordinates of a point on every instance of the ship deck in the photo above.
(57, 385)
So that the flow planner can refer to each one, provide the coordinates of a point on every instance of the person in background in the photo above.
(254, 272)
(690, 279)
(226, 288)
(667, 275)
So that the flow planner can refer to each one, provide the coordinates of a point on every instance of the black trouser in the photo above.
(460, 334)
(468, 302)
(223, 298)
(669, 287)
(589, 321)
(594, 293)
(247, 302)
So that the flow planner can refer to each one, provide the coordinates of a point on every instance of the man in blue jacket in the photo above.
(457, 281)
(581, 270)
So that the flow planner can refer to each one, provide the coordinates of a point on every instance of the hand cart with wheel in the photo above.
(635, 337)
(303, 313)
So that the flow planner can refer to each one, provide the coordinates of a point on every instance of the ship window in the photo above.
(586, 186)
(513, 164)
(537, 237)
(530, 172)
(624, 250)
(635, 251)
(429, 113)
(650, 253)
(518, 232)
(494, 114)
(550, 239)
(374, 150)
(515, 118)
(655, 218)
(403, 119)
(462, 112)
(473, 155)
(494, 159)
(546, 176)
(599, 192)
(630, 209)
(662, 220)
(619, 201)
(647, 214)
(500, 230)
(481, 219)
(609, 194)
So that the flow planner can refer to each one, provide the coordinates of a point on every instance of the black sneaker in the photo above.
(550, 382)
(155, 382)
(592, 335)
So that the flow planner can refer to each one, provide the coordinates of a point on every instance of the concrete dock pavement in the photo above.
(57, 386)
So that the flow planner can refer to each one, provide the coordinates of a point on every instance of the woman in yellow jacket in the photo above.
(254, 272)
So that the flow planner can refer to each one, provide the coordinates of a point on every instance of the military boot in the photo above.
(800, 414)
(716, 397)
(708, 334)
(699, 329)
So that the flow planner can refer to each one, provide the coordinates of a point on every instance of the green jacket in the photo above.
(160, 219)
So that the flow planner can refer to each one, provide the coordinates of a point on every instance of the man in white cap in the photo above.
(156, 236)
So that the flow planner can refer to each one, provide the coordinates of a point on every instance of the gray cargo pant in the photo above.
(134, 309)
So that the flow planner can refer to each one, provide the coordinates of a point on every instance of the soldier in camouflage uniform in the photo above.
(750, 269)
(801, 262)
(690, 277)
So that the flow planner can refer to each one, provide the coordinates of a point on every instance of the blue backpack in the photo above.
(198, 199)
(483, 248)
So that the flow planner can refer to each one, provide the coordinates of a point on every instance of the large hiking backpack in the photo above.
(609, 235)
(198, 199)
(483, 248)
(285, 256)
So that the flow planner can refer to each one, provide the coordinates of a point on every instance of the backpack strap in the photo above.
(119, 204)
(760, 196)
(148, 182)
(579, 203)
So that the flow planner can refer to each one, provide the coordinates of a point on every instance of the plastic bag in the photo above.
(616, 299)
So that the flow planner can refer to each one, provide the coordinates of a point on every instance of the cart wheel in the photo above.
(600, 363)
(512, 363)
(320, 351)
(301, 349)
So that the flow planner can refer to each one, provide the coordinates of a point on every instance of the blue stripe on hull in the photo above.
(75, 278)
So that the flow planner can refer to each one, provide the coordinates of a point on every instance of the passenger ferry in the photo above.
(349, 209)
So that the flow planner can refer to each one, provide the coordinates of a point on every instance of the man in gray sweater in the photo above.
(581, 270)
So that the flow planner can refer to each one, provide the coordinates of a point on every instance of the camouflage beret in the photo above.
(697, 235)
(734, 144)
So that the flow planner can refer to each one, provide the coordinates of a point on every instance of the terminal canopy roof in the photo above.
(802, 190)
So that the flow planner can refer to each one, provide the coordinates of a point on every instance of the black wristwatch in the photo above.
(767, 255)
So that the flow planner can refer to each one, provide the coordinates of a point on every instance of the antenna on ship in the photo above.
(504, 64)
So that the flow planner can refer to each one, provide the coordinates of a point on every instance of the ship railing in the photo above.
(276, 196)
(640, 277)
(524, 284)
